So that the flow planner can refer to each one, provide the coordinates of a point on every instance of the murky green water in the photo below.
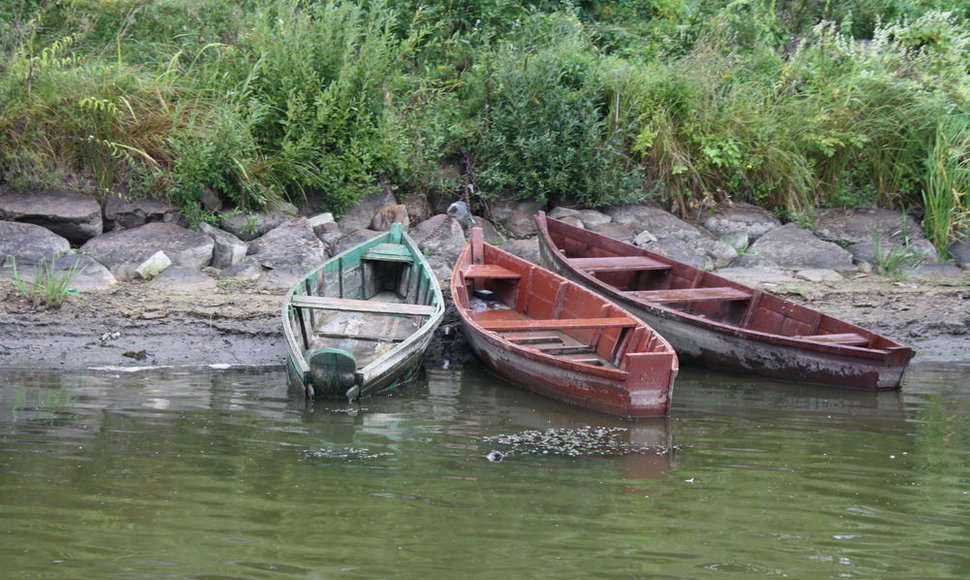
(223, 475)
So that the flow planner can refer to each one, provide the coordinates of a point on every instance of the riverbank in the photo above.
(135, 325)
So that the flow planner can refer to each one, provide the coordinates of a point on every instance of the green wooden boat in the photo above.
(361, 322)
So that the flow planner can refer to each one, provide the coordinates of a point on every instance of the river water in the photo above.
(222, 474)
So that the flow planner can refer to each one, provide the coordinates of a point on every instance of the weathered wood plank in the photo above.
(692, 294)
(490, 271)
(389, 253)
(618, 264)
(846, 338)
(557, 323)
(351, 305)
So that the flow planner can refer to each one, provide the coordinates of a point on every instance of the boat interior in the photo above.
(530, 307)
(364, 303)
(654, 279)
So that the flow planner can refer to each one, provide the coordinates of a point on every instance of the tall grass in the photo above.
(946, 191)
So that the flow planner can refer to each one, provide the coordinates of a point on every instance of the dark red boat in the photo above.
(547, 334)
(720, 323)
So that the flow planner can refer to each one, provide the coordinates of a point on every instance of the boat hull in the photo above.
(361, 322)
(730, 347)
(623, 368)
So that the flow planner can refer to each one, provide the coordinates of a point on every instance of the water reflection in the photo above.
(223, 474)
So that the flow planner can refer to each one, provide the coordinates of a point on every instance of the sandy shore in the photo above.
(135, 325)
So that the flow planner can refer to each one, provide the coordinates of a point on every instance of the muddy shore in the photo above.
(136, 326)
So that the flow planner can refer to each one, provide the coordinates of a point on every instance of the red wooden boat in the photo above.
(552, 336)
(721, 323)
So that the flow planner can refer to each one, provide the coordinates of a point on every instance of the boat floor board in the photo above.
(618, 263)
(490, 271)
(846, 338)
(691, 294)
(556, 323)
(351, 305)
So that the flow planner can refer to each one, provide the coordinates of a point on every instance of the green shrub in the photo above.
(544, 130)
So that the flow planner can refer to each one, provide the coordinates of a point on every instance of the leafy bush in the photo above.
(544, 131)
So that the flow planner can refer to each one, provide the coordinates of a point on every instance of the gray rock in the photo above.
(852, 226)
(701, 252)
(441, 238)
(248, 270)
(123, 213)
(329, 234)
(124, 250)
(657, 221)
(588, 217)
(227, 249)
(282, 278)
(359, 215)
(29, 243)
(516, 217)
(69, 214)
(527, 249)
(419, 208)
(960, 250)
(88, 274)
(617, 231)
(893, 253)
(796, 248)
(740, 218)
(249, 226)
(353, 239)
(935, 272)
(153, 266)
(291, 244)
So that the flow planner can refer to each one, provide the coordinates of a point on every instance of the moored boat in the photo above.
(547, 334)
(360, 322)
(721, 323)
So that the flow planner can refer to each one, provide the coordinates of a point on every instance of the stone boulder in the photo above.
(616, 231)
(123, 251)
(29, 244)
(441, 238)
(88, 274)
(69, 214)
(740, 218)
(852, 226)
(249, 226)
(123, 213)
(662, 232)
(292, 244)
(516, 217)
(227, 249)
(876, 236)
(589, 218)
(960, 250)
(796, 248)
(360, 215)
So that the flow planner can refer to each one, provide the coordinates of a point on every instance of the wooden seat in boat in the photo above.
(556, 323)
(692, 294)
(490, 271)
(618, 264)
(846, 338)
(351, 305)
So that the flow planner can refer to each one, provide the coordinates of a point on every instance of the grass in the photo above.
(48, 287)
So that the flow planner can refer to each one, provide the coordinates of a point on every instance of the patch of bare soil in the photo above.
(135, 325)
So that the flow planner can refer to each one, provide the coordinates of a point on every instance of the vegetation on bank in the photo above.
(791, 105)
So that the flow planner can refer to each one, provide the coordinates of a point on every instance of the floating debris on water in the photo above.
(495, 456)
(344, 453)
(585, 441)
